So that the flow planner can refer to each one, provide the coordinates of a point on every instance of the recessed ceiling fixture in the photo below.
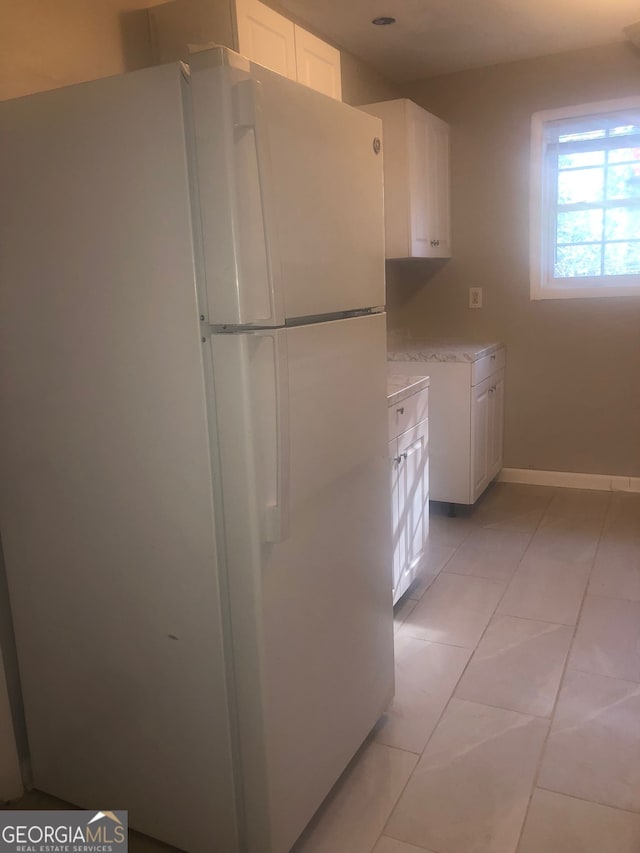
(383, 21)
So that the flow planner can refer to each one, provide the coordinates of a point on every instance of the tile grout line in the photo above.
(473, 650)
(507, 585)
(612, 597)
(442, 568)
(404, 787)
(590, 802)
(436, 575)
(501, 707)
(562, 677)
(601, 675)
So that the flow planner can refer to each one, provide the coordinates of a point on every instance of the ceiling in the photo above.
(432, 37)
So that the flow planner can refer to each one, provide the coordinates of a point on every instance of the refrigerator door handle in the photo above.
(249, 114)
(270, 404)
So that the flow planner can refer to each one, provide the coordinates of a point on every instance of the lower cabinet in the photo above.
(466, 422)
(409, 458)
(487, 418)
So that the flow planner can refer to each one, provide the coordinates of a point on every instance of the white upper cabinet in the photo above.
(266, 37)
(416, 180)
(318, 64)
(272, 40)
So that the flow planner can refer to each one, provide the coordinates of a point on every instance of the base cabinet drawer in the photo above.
(487, 366)
(408, 413)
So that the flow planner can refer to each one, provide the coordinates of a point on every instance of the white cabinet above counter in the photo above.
(416, 180)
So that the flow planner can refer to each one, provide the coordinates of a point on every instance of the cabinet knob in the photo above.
(400, 411)
(434, 243)
(493, 357)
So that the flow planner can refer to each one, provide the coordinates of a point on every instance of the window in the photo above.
(585, 201)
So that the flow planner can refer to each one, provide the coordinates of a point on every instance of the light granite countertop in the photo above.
(435, 350)
(399, 387)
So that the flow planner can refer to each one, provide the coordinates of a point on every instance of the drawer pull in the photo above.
(400, 411)
(493, 357)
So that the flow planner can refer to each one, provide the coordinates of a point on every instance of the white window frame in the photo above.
(541, 286)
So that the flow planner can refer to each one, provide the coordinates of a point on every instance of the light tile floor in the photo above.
(516, 722)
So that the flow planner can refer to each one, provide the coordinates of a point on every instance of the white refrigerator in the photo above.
(194, 497)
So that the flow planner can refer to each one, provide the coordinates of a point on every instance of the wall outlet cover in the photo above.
(475, 297)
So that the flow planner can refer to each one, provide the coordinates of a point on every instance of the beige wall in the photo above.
(45, 44)
(179, 23)
(573, 378)
(362, 84)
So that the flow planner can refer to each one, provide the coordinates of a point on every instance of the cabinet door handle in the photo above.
(493, 357)
(434, 243)
(400, 411)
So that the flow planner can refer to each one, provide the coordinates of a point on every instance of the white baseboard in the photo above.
(565, 479)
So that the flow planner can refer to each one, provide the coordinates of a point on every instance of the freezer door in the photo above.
(308, 543)
(290, 194)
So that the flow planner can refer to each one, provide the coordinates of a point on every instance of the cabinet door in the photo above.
(266, 37)
(429, 184)
(397, 526)
(421, 201)
(318, 64)
(414, 498)
(480, 437)
(496, 423)
(440, 181)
